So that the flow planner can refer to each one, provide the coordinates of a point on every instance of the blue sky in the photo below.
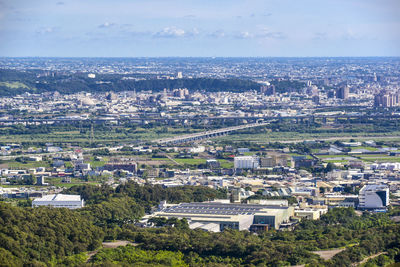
(130, 28)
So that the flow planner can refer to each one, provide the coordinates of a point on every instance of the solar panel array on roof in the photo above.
(216, 208)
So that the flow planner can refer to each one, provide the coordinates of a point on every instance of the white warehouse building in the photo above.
(246, 162)
(374, 196)
(60, 201)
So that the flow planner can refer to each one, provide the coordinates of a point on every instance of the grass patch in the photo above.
(97, 163)
(331, 156)
(336, 161)
(28, 165)
(226, 164)
(191, 161)
(14, 85)
(383, 159)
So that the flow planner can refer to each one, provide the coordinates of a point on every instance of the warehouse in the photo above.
(59, 201)
(226, 215)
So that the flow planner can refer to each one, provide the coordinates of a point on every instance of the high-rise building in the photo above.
(331, 94)
(315, 99)
(40, 180)
(386, 99)
(343, 92)
(111, 96)
(268, 89)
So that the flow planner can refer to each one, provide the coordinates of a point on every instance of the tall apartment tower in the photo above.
(343, 92)
(387, 99)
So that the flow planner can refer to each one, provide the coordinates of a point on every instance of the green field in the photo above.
(382, 159)
(336, 161)
(28, 165)
(331, 156)
(98, 163)
(14, 85)
(268, 137)
(110, 135)
(365, 147)
(191, 161)
(226, 164)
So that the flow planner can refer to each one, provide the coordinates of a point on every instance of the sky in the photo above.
(199, 28)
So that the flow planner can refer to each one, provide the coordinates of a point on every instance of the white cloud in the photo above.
(217, 34)
(244, 35)
(45, 30)
(351, 35)
(267, 34)
(174, 32)
(106, 25)
(170, 32)
(319, 36)
(261, 34)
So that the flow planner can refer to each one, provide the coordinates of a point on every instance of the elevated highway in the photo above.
(238, 119)
(207, 134)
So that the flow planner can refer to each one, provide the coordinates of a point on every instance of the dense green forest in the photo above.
(60, 237)
(14, 82)
(30, 236)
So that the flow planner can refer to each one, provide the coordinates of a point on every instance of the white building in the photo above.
(198, 149)
(374, 196)
(246, 162)
(60, 201)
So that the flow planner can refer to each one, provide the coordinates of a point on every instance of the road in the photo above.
(368, 258)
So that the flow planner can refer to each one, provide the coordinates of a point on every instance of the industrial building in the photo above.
(374, 196)
(310, 214)
(216, 216)
(273, 160)
(60, 201)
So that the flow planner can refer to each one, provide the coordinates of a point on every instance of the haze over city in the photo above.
(225, 133)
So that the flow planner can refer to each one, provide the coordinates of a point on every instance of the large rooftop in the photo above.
(218, 208)
(59, 197)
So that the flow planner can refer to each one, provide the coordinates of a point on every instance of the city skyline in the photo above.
(199, 29)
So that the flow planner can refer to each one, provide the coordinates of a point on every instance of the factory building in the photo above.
(216, 216)
(374, 196)
(310, 214)
(59, 201)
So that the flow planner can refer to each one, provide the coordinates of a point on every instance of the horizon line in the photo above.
(212, 57)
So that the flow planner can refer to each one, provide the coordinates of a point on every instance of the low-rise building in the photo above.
(227, 215)
(246, 162)
(60, 201)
